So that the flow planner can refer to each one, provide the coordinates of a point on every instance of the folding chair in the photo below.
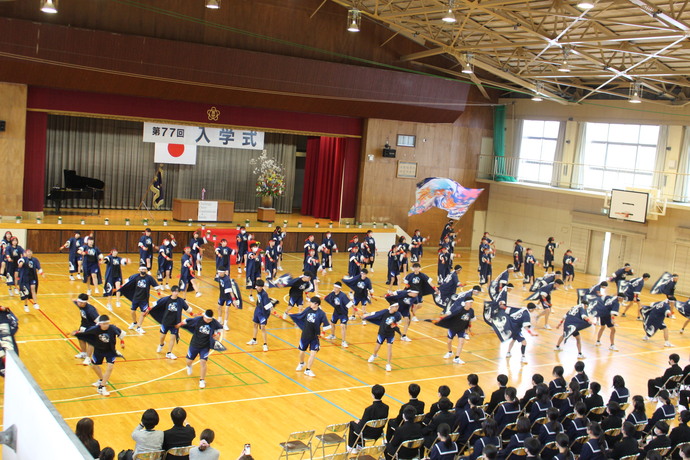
(338, 456)
(497, 406)
(548, 446)
(560, 396)
(470, 441)
(378, 423)
(411, 444)
(663, 451)
(596, 410)
(624, 406)
(178, 451)
(537, 422)
(678, 448)
(675, 379)
(612, 432)
(581, 440)
(519, 452)
(298, 442)
(527, 405)
(570, 416)
(639, 427)
(419, 418)
(630, 457)
(333, 435)
(155, 455)
(371, 453)
(511, 427)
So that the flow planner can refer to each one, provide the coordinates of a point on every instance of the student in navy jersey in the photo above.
(310, 321)
(544, 295)
(404, 249)
(393, 266)
(223, 256)
(521, 320)
(406, 300)
(417, 246)
(362, 290)
(550, 254)
(205, 331)
(271, 258)
(371, 249)
(138, 289)
(387, 320)
(11, 257)
(341, 304)
(298, 286)
(146, 248)
(444, 263)
(278, 234)
(632, 293)
(530, 263)
(253, 271)
(165, 260)
(458, 323)
(196, 243)
(309, 244)
(312, 265)
(88, 315)
(569, 269)
(420, 282)
(91, 258)
(518, 257)
(327, 248)
(607, 311)
(103, 337)
(187, 280)
(226, 297)
(29, 268)
(354, 266)
(485, 267)
(113, 277)
(73, 245)
(168, 312)
(264, 306)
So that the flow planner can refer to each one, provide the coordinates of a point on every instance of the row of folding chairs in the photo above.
(162, 454)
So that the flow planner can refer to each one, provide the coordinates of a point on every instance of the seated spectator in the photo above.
(685, 453)
(463, 403)
(469, 420)
(84, 432)
(533, 447)
(413, 390)
(180, 435)
(681, 433)
(107, 454)
(595, 447)
(612, 421)
(204, 451)
(507, 412)
(549, 430)
(537, 379)
(444, 448)
(146, 438)
(580, 377)
(574, 396)
(442, 416)
(658, 439)
(577, 427)
(541, 404)
(377, 410)
(490, 438)
(407, 431)
(665, 412)
(498, 396)
(593, 400)
(655, 384)
(490, 452)
(638, 416)
(620, 393)
(627, 445)
(443, 392)
(517, 441)
(563, 445)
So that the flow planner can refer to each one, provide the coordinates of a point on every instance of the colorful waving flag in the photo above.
(443, 193)
(157, 188)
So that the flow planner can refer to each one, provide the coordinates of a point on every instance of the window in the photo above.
(538, 150)
(619, 156)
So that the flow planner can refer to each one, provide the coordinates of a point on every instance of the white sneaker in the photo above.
(170, 356)
(309, 373)
(371, 359)
(198, 294)
(225, 326)
(613, 348)
(239, 270)
(189, 370)
(251, 298)
(103, 391)
(16, 291)
(645, 339)
(668, 344)
(557, 349)
(140, 330)
(202, 384)
(344, 344)
(36, 307)
(86, 362)
(265, 347)
(414, 318)
(597, 344)
(285, 316)
(546, 326)
(117, 303)
(673, 316)
(405, 338)
(353, 317)
(580, 356)
(80, 355)
(251, 342)
(458, 361)
(167, 287)
(11, 294)
(159, 348)
(132, 326)
(364, 323)
(330, 337)
(329, 269)
(96, 384)
(109, 307)
(88, 292)
(523, 359)
(388, 368)
(371, 270)
(71, 278)
(448, 355)
(26, 308)
(681, 331)
(466, 336)
(509, 354)
(78, 276)
(299, 367)
(96, 290)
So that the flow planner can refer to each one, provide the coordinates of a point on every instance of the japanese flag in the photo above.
(175, 153)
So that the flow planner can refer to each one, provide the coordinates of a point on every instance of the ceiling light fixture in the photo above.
(565, 67)
(635, 93)
(354, 20)
(213, 4)
(467, 65)
(585, 5)
(538, 88)
(449, 17)
(49, 6)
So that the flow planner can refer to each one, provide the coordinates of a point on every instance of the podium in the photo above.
(202, 211)
(266, 214)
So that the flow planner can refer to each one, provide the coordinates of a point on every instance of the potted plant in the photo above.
(270, 181)
(316, 225)
(59, 220)
(106, 221)
(126, 221)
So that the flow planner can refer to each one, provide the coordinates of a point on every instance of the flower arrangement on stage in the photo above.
(271, 180)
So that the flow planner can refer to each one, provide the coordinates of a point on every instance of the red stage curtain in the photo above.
(35, 161)
(330, 162)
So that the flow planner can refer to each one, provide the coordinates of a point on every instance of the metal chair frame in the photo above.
(331, 437)
(296, 444)
(409, 444)
(377, 423)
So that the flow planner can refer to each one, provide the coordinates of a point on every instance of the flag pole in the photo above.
(142, 202)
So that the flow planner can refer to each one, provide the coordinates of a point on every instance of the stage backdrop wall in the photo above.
(113, 151)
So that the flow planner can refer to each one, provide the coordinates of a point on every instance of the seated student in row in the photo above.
(577, 427)
(413, 390)
(490, 438)
(574, 397)
(407, 431)
(441, 417)
(443, 392)
(666, 411)
(443, 447)
(541, 404)
(620, 393)
(593, 400)
(507, 412)
(498, 396)
(549, 431)
(469, 420)
(681, 433)
(563, 446)
(627, 445)
(595, 447)
(473, 382)
(657, 439)
(580, 377)
(517, 441)
(537, 379)
(612, 421)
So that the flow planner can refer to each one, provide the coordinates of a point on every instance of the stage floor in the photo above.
(257, 397)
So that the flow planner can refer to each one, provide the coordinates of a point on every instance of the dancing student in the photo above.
(654, 319)
(403, 249)
(253, 271)
(550, 253)
(312, 265)
(354, 266)
(362, 290)
(448, 287)
(88, 316)
(278, 234)
(205, 332)
(387, 320)
(421, 283)
(227, 297)
(393, 272)
(518, 257)
(11, 256)
(73, 244)
(569, 269)
(113, 277)
(521, 320)
(103, 338)
(485, 269)
(341, 304)
(242, 239)
(326, 249)
(309, 245)
(271, 259)
(224, 255)
(443, 263)
(29, 268)
(262, 312)
(137, 289)
(607, 311)
(575, 320)
(146, 248)
(500, 282)
(371, 249)
(544, 297)
(311, 320)
(457, 323)
(165, 260)
(621, 274)
(632, 293)
(405, 298)
(91, 258)
(298, 286)
(168, 312)
(279, 251)
(598, 290)
(447, 229)
(417, 246)
(188, 281)
(530, 263)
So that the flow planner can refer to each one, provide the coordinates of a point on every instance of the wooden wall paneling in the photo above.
(340, 241)
(106, 240)
(43, 241)
(290, 242)
(12, 146)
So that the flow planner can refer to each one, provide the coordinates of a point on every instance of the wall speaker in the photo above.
(389, 153)
(2, 126)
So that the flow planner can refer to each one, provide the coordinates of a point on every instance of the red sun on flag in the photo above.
(175, 154)
(175, 150)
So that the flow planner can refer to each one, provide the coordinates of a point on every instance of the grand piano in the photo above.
(77, 188)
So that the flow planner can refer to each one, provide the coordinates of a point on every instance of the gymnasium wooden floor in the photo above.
(258, 397)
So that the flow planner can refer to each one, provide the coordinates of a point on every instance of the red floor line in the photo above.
(68, 336)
